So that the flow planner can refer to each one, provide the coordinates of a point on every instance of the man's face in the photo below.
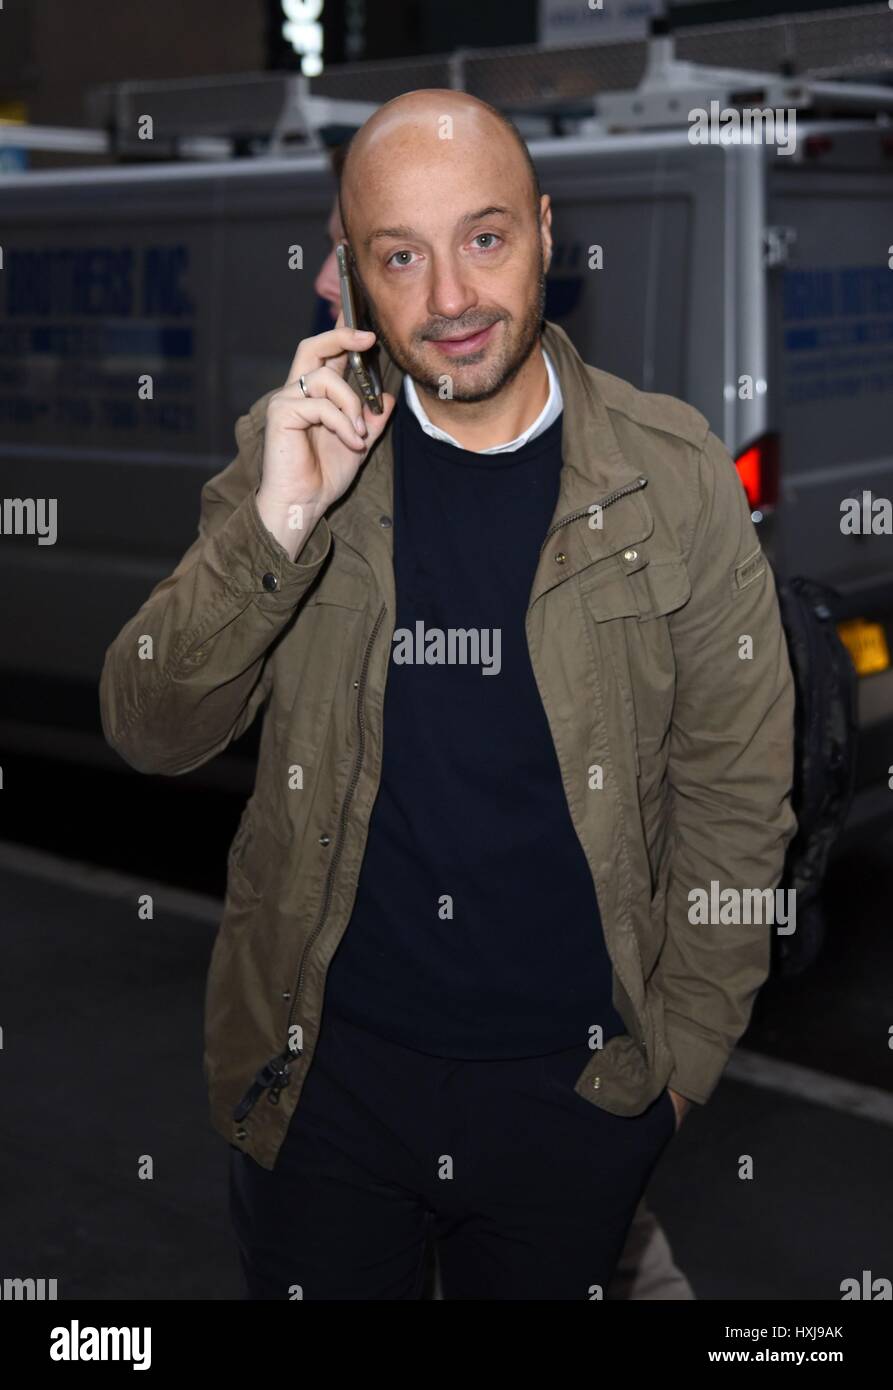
(452, 261)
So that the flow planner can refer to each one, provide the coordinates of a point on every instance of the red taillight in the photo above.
(758, 470)
(816, 145)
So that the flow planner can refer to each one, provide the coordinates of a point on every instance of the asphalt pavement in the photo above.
(101, 1065)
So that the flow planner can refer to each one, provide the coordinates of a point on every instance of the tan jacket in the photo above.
(675, 746)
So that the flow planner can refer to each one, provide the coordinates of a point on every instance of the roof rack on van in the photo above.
(212, 118)
(672, 89)
(585, 90)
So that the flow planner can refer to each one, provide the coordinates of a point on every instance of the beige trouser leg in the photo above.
(646, 1268)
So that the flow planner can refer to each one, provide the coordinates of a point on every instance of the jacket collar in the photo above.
(593, 467)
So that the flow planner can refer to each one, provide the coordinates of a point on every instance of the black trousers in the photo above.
(530, 1188)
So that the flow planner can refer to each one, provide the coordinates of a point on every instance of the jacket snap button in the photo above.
(560, 558)
(596, 1082)
(270, 583)
(630, 554)
(384, 521)
(241, 1134)
(324, 840)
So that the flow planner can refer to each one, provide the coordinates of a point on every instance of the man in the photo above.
(528, 699)
(646, 1269)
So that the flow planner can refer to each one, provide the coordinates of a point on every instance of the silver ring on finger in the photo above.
(303, 385)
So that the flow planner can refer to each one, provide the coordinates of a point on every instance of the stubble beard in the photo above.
(501, 371)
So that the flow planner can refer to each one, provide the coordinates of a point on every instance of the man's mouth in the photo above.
(469, 342)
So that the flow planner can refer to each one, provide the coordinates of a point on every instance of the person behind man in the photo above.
(527, 698)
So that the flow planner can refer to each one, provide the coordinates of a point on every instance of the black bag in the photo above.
(825, 735)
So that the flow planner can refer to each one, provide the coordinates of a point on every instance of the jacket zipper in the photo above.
(274, 1075)
(348, 797)
(615, 496)
(635, 486)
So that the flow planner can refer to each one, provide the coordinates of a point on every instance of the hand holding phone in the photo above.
(318, 431)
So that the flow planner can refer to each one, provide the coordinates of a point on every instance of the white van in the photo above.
(752, 283)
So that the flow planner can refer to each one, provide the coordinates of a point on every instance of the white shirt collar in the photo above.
(550, 412)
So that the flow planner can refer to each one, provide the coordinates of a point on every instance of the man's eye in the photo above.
(400, 253)
(493, 237)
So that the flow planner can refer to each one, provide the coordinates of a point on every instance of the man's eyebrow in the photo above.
(396, 233)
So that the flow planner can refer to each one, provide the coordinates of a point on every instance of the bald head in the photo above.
(416, 126)
(450, 241)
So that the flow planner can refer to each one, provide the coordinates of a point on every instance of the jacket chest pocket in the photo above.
(626, 611)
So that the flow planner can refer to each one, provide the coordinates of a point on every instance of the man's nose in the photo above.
(450, 294)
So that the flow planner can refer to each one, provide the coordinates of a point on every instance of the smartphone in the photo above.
(364, 368)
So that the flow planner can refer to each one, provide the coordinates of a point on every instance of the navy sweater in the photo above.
(475, 931)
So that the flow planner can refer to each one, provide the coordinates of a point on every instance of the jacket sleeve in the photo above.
(188, 673)
(730, 775)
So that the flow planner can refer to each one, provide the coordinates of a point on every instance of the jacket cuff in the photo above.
(698, 1063)
(255, 562)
